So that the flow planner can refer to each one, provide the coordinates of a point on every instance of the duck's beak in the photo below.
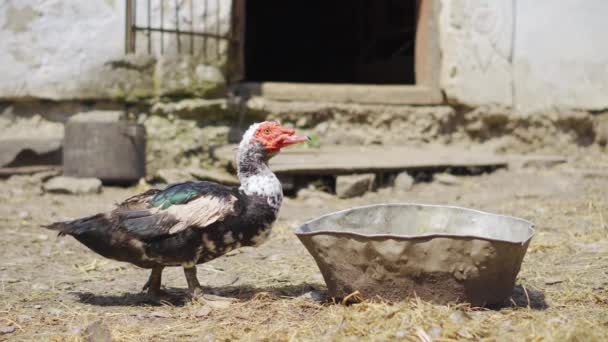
(294, 139)
(289, 137)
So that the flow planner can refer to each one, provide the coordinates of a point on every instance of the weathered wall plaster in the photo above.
(533, 56)
(561, 55)
(69, 49)
(476, 39)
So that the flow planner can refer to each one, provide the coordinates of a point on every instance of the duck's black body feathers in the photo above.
(190, 222)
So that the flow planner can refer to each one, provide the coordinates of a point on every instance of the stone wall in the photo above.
(533, 56)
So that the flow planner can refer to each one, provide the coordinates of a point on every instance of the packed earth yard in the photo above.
(56, 289)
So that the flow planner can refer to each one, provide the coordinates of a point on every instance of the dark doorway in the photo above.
(325, 41)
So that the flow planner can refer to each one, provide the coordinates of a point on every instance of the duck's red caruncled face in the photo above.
(274, 136)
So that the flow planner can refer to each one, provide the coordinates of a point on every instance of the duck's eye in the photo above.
(267, 131)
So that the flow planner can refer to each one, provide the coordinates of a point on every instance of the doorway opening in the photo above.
(340, 41)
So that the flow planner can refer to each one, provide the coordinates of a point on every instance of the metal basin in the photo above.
(439, 253)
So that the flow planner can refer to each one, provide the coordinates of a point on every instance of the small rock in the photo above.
(97, 332)
(38, 307)
(159, 314)
(554, 280)
(404, 181)
(23, 214)
(55, 312)
(354, 185)
(73, 185)
(446, 178)
(24, 318)
(6, 329)
(400, 334)
(203, 312)
(275, 257)
(314, 295)
(40, 287)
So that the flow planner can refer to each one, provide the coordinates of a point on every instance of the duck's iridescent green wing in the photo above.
(178, 207)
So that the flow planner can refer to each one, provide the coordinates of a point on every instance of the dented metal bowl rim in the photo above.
(531, 227)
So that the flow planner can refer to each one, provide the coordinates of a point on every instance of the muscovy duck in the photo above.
(193, 222)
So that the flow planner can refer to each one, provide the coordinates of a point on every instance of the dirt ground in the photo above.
(53, 288)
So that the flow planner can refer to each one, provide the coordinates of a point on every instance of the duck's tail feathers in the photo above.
(78, 226)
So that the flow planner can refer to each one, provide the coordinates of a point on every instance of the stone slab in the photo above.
(332, 160)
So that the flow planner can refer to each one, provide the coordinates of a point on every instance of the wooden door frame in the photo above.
(427, 63)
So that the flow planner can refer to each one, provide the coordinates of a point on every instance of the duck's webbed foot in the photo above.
(153, 285)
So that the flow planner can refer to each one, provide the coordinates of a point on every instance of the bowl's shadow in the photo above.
(523, 297)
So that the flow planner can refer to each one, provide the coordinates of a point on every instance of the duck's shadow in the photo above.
(179, 297)
(521, 297)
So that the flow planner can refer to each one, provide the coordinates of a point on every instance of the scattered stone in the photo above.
(97, 332)
(354, 185)
(554, 280)
(446, 178)
(7, 329)
(42, 237)
(55, 311)
(24, 318)
(314, 295)
(72, 185)
(159, 314)
(203, 312)
(24, 215)
(40, 287)
(404, 181)
(214, 175)
(37, 307)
